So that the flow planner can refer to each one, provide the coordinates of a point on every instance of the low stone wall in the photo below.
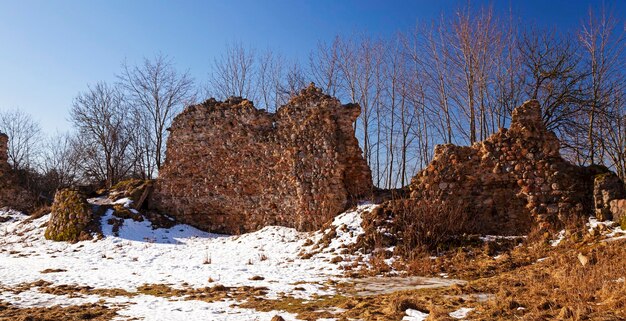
(232, 168)
(514, 179)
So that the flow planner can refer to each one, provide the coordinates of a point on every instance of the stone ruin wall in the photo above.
(12, 195)
(232, 168)
(514, 179)
(4, 149)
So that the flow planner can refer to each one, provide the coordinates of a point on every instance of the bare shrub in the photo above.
(430, 224)
(414, 226)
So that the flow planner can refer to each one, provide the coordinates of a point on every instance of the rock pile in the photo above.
(70, 218)
(232, 168)
(515, 179)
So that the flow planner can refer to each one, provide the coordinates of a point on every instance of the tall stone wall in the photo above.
(232, 168)
(511, 181)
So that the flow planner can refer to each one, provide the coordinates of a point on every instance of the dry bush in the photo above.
(414, 227)
(378, 264)
(429, 224)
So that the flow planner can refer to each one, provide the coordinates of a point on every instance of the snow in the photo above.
(161, 309)
(180, 256)
(31, 298)
(352, 221)
(613, 232)
(347, 227)
(493, 238)
(559, 238)
(414, 315)
(185, 257)
(461, 313)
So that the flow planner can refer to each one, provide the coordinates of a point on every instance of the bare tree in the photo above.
(159, 92)
(508, 78)
(614, 135)
(427, 50)
(358, 63)
(234, 73)
(553, 76)
(474, 37)
(270, 75)
(142, 144)
(295, 80)
(99, 115)
(24, 138)
(61, 162)
(324, 66)
(604, 61)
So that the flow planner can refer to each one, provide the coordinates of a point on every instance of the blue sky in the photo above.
(50, 50)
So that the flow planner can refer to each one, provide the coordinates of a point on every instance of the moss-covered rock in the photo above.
(70, 218)
(126, 213)
(135, 189)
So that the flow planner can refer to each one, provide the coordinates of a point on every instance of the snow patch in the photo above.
(414, 315)
(461, 313)
(559, 238)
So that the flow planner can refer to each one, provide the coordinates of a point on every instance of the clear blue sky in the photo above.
(50, 50)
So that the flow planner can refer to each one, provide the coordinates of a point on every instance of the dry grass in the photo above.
(561, 287)
(93, 311)
(514, 286)
(534, 281)
(392, 306)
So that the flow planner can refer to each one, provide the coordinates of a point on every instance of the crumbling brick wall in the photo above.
(232, 168)
(514, 179)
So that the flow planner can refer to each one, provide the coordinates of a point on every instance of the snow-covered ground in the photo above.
(181, 257)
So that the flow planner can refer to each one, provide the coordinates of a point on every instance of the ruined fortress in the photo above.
(232, 168)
